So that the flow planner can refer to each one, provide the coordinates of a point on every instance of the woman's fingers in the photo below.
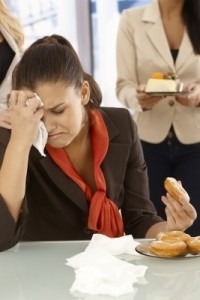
(174, 208)
(179, 207)
(18, 98)
(188, 207)
(146, 101)
(180, 214)
(34, 102)
(169, 216)
(25, 99)
(192, 98)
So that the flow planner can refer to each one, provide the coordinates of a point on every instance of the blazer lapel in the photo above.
(156, 32)
(184, 51)
(113, 166)
(157, 36)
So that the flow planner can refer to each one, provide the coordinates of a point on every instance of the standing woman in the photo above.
(164, 37)
(11, 41)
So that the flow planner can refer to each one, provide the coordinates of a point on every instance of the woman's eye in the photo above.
(59, 112)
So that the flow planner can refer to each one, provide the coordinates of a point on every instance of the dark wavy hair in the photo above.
(191, 17)
(52, 59)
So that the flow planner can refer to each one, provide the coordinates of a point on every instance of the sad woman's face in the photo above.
(64, 111)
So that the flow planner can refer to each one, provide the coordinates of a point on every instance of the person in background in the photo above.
(94, 164)
(163, 37)
(11, 47)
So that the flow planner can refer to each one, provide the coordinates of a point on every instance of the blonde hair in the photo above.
(12, 25)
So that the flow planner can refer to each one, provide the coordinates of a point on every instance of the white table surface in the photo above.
(37, 271)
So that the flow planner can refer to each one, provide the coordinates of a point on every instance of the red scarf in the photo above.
(104, 216)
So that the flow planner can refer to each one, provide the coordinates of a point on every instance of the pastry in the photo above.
(170, 236)
(160, 82)
(174, 188)
(193, 244)
(164, 249)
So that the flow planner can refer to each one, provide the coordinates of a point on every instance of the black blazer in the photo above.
(55, 208)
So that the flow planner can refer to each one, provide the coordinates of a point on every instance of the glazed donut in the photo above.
(174, 188)
(193, 244)
(171, 236)
(163, 249)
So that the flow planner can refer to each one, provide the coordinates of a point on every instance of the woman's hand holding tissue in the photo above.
(25, 114)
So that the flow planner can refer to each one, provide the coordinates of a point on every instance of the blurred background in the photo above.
(90, 25)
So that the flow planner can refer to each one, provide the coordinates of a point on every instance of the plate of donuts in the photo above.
(170, 245)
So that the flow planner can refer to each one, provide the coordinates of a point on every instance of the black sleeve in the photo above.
(138, 211)
(10, 231)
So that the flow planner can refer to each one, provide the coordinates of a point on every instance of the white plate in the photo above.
(144, 250)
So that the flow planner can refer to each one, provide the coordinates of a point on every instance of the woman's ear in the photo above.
(85, 92)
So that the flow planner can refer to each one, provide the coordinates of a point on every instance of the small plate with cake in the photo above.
(164, 85)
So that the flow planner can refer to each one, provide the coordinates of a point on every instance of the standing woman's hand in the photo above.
(25, 115)
(5, 119)
(192, 98)
(146, 101)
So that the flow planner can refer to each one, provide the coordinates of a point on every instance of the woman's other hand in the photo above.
(146, 101)
(192, 98)
(5, 120)
(180, 214)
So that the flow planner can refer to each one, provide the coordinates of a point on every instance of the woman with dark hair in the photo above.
(93, 166)
(164, 37)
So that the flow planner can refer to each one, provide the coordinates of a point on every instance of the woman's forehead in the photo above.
(53, 94)
(58, 88)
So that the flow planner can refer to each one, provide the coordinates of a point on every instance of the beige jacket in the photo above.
(142, 49)
(5, 86)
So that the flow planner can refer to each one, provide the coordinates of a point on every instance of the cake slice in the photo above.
(160, 82)
(160, 85)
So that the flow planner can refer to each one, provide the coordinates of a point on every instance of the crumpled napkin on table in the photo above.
(99, 272)
(115, 246)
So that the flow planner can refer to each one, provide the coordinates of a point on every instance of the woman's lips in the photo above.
(55, 135)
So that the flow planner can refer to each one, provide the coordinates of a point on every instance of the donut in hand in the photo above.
(175, 189)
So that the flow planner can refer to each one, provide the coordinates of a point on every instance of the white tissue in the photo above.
(41, 139)
(98, 272)
(115, 246)
(42, 135)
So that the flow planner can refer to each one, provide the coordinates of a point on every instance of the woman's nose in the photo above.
(49, 124)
